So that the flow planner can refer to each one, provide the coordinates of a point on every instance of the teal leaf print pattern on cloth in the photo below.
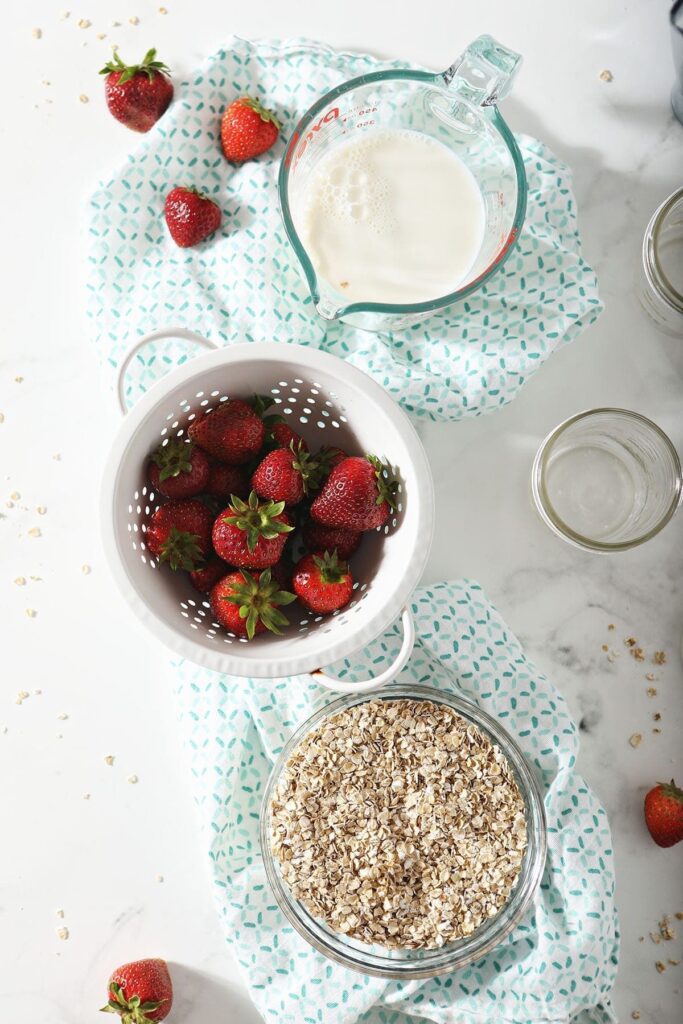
(557, 966)
(243, 283)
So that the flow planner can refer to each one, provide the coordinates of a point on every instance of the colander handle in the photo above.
(165, 332)
(345, 686)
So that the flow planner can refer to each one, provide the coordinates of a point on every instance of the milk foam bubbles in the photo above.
(391, 216)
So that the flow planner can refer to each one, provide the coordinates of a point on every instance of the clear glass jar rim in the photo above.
(418, 963)
(656, 277)
(547, 512)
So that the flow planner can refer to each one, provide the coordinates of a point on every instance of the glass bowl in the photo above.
(416, 963)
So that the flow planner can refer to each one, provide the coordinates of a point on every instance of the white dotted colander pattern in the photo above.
(327, 401)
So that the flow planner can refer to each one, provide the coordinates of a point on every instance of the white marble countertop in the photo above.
(99, 859)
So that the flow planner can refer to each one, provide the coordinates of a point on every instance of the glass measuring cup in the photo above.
(458, 108)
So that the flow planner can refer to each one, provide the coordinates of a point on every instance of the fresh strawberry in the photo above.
(137, 94)
(140, 992)
(179, 533)
(247, 605)
(286, 474)
(247, 129)
(232, 432)
(319, 538)
(664, 813)
(190, 215)
(251, 534)
(206, 576)
(358, 494)
(224, 481)
(323, 583)
(178, 469)
(282, 436)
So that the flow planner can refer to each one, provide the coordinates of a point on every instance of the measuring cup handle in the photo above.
(165, 332)
(345, 686)
(484, 73)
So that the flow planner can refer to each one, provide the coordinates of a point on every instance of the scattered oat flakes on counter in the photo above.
(659, 657)
(64, 15)
(162, 10)
(34, 532)
(679, 915)
(20, 581)
(83, 98)
(109, 759)
(606, 75)
(22, 696)
(656, 937)
(84, 23)
(37, 33)
(15, 496)
(85, 569)
(2, 417)
(62, 933)
(57, 457)
(674, 963)
(635, 1014)
(611, 626)
(101, 35)
(160, 878)
(134, 20)
(31, 613)
(133, 779)
(62, 716)
(657, 717)
(18, 380)
(650, 676)
(651, 691)
(86, 796)
(665, 929)
(605, 647)
(660, 966)
(41, 510)
(59, 913)
(636, 739)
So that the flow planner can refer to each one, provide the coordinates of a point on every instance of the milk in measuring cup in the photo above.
(392, 216)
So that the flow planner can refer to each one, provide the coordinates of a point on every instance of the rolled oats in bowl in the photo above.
(403, 832)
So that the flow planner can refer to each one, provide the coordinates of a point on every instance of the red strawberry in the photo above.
(137, 95)
(140, 992)
(664, 813)
(322, 583)
(358, 494)
(178, 469)
(204, 578)
(179, 533)
(283, 436)
(232, 432)
(247, 129)
(251, 534)
(285, 474)
(330, 538)
(191, 216)
(224, 481)
(247, 605)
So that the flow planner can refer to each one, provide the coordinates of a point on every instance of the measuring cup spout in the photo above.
(326, 308)
(484, 73)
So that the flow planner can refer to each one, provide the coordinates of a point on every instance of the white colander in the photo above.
(328, 402)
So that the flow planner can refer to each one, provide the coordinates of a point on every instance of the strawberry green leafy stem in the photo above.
(131, 1011)
(173, 458)
(182, 550)
(259, 600)
(387, 482)
(332, 569)
(148, 66)
(258, 520)
(263, 112)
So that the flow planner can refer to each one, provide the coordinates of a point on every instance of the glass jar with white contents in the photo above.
(661, 280)
(407, 963)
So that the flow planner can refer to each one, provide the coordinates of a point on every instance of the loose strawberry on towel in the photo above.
(137, 94)
(247, 129)
(191, 216)
(140, 992)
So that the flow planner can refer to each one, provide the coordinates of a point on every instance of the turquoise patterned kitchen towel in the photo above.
(243, 284)
(557, 966)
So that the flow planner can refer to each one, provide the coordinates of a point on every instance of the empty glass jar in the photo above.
(606, 480)
(661, 282)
